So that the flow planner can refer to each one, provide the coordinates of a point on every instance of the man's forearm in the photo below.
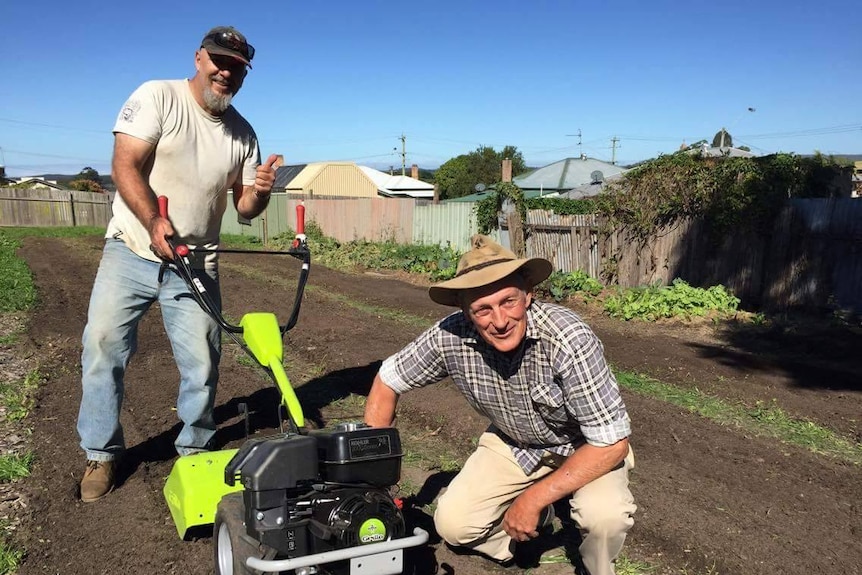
(137, 194)
(380, 405)
(251, 203)
(586, 464)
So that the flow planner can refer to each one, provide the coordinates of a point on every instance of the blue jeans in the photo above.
(126, 286)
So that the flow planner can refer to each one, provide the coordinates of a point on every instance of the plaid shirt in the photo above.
(553, 393)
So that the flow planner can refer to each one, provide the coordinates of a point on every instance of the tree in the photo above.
(453, 178)
(89, 173)
(458, 177)
(88, 180)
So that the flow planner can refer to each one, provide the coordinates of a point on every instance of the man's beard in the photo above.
(216, 103)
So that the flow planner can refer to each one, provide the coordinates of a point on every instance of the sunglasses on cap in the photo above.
(231, 41)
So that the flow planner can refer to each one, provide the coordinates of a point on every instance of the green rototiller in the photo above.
(303, 501)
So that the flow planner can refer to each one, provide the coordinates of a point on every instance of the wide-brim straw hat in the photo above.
(485, 263)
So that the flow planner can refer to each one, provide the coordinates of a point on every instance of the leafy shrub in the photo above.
(562, 285)
(563, 206)
(432, 261)
(677, 300)
(730, 193)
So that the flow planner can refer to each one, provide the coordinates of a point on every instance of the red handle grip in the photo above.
(181, 249)
(300, 219)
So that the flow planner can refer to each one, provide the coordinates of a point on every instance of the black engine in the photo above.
(328, 489)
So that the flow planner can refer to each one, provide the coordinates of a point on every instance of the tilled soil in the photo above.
(711, 499)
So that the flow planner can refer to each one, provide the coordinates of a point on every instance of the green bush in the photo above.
(435, 262)
(563, 206)
(677, 300)
(562, 285)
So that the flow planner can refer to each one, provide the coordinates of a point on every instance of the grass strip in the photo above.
(10, 558)
(14, 466)
(763, 419)
(17, 397)
(17, 291)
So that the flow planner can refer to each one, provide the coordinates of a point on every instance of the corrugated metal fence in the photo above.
(375, 219)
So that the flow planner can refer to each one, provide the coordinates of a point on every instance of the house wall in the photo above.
(333, 180)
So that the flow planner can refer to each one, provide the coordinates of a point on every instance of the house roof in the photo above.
(589, 190)
(719, 152)
(40, 181)
(284, 175)
(299, 176)
(567, 174)
(398, 185)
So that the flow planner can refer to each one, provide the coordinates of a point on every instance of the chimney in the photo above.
(279, 161)
(414, 172)
(507, 170)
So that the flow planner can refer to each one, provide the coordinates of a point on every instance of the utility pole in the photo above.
(403, 155)
(614, 141)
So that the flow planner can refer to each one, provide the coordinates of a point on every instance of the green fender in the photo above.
(262, 335)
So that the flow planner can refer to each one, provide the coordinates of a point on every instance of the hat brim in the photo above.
(534, 270)
(214, 48)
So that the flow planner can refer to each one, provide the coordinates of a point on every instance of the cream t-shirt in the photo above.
(197, 158)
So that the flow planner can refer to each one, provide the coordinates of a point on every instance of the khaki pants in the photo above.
(470, 512)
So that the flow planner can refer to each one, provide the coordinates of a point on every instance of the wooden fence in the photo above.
(812, 258)
(47, 207)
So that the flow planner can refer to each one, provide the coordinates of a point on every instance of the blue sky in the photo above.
(343, 80)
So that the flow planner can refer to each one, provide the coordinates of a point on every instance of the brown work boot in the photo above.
(98, 480)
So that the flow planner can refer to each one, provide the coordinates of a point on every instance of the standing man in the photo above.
(558, 424)
(181, 139)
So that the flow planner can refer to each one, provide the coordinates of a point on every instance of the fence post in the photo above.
(516, 234)
(72, 208)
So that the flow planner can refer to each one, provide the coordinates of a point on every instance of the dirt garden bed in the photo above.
(711, 499)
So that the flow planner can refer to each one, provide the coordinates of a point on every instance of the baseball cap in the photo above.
(228, 41)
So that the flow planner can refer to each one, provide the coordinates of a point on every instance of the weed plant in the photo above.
(562, 285)
(14, 466)
(435, 262)
(17, 292)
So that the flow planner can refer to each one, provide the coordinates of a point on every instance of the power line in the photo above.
(22, 153)
(789, 134)
(54, 126)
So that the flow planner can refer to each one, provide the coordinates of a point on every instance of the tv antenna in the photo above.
(579, 140)
(403, 139)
